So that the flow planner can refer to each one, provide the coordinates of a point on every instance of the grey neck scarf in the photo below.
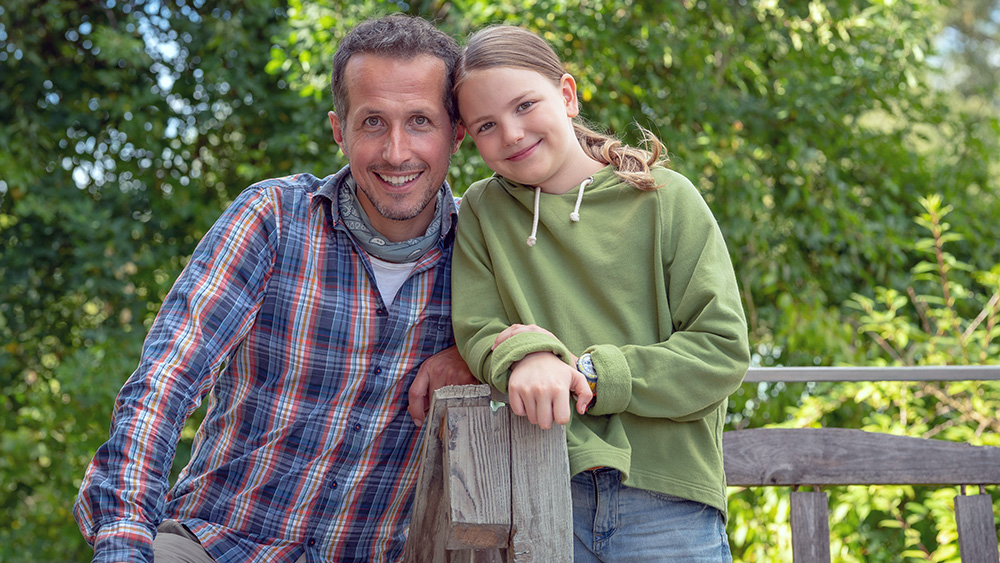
(357, 222)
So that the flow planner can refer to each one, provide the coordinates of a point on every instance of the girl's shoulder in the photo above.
(483, 190)
(666, 177)
(673, 186)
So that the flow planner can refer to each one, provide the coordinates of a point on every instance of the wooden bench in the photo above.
(817, 457)
(492, 487)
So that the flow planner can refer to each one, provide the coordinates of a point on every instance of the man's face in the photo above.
(397, 138)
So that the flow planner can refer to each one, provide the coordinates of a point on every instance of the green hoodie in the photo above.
(644, 283)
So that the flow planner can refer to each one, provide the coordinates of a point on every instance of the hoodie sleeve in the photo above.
(706, 354)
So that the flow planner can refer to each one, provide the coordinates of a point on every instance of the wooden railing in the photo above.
(494, 488)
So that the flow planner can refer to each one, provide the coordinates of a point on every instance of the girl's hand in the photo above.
(540, 386)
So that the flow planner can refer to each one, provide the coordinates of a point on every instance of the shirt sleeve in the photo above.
(203, 318)
(706, 357)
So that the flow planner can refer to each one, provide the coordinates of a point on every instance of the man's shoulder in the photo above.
(286, 194)
(304, 183)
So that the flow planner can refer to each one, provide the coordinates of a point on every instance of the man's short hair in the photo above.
(397, 36)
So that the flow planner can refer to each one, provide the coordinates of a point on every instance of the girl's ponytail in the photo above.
(632, 165)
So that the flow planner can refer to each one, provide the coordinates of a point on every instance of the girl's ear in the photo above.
(567, 86)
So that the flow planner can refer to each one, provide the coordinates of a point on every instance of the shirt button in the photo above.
(333, 485)
(380, 311)
(311, 542)
(357, 427)
(377, 370)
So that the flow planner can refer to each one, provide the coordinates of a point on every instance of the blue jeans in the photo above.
(612, 523)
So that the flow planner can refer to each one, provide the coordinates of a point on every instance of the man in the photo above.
(306, 314)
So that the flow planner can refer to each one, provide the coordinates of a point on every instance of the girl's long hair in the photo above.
(515, 47)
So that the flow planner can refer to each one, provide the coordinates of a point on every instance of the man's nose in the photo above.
(397, 147)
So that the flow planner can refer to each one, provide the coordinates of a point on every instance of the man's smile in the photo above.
(398, 180)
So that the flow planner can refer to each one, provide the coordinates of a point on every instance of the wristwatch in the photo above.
(586, 366)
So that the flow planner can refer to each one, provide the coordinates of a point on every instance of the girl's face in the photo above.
(522, 125)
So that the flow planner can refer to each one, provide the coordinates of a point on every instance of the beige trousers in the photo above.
(174, 543)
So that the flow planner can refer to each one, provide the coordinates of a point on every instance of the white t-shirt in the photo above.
(389, 276)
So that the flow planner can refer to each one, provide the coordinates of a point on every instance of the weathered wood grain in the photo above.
(477, 457)
(810, 527)
(839, 456)
(977, 532)
(428, 534)
(542, 506)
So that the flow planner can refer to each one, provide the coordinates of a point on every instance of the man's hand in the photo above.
(540, 386)
(440, 370)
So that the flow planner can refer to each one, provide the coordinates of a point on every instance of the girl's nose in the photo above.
(512, 135)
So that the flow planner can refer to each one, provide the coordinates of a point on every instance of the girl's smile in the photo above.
(523, 154)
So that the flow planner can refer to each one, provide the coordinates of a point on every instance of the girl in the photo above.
(625, 266)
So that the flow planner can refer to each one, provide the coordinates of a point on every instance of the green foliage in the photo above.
(812, 129)
(127, 127)
(947, 315)
(956, 307)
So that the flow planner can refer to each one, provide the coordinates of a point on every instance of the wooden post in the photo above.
(541, 503)
(492, 487)
(429, 523)
(810, 527)
(977, 533)
(477, 492)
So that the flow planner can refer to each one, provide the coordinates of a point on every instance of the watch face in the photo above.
(586, 366)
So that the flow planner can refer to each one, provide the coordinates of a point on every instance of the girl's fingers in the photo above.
(561, 409)
(516, 404)
(581, 389)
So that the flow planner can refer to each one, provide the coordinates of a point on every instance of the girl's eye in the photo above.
(486, 126)
(525, 105)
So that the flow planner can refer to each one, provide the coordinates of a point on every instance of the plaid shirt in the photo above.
(306, 445)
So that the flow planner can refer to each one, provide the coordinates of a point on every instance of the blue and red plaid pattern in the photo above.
(306, 444)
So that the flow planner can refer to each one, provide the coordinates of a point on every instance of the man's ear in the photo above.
(338, 132)
(567, 86)
(459, 135)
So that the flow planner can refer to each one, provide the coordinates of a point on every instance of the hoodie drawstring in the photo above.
(534, 221)
(574, 216)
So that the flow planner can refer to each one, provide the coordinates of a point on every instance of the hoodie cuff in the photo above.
(614, 380)
(516, 348)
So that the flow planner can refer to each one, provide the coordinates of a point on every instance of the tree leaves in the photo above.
(812, 129)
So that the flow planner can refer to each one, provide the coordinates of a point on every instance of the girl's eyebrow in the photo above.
(516, 101)
(477, 120)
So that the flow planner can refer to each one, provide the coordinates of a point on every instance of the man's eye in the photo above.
(420, 120)
(372, 122)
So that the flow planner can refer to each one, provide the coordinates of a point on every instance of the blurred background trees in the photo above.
(844, 147)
